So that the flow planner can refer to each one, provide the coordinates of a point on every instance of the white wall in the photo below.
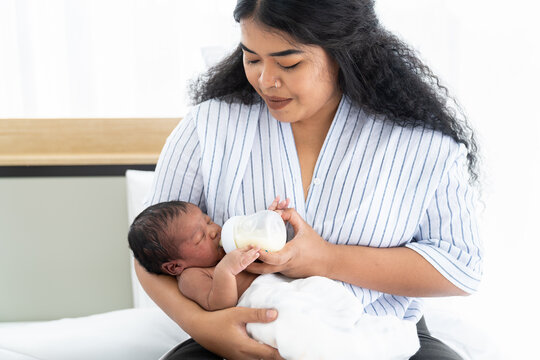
(105, 58)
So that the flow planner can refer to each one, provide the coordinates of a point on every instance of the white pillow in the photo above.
(138, 184)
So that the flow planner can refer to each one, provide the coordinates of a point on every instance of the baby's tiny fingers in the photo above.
(249, 258)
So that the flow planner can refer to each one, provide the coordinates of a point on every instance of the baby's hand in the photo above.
(237, 260)
(276, 205)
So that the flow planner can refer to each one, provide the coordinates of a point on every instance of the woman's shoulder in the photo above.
(220, 124)
(434, 152)
(214, 110)
(412, 142)
(419, 146)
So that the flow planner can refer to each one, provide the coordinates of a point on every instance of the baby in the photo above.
(318, 317)
(177, 238)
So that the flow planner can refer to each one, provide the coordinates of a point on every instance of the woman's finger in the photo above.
(275, 258)
(262, 268)
(282, 205)
(255, 349)
(275, 204)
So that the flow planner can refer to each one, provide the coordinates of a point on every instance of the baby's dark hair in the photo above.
(150, 238)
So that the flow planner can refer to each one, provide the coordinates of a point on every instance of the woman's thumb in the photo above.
(292, 217)
(261, 315)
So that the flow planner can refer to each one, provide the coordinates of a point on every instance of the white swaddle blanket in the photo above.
(320, 319)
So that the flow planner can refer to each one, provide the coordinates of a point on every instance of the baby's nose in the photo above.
(215, 231)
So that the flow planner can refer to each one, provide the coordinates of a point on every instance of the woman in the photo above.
(319, 103)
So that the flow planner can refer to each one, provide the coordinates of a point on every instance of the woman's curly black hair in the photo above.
(377, 71)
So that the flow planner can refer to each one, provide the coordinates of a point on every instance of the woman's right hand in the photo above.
(278, 206)
(307, 254)
(224, 332)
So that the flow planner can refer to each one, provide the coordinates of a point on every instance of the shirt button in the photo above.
(316, 181)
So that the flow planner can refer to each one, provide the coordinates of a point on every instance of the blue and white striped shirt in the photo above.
(374, 184)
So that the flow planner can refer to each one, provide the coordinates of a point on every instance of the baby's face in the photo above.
(199, 238)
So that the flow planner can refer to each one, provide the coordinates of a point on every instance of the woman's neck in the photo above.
(312, 131)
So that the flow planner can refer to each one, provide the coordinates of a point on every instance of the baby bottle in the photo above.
(264, 229)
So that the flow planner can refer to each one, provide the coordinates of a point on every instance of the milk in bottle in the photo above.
(264, 229)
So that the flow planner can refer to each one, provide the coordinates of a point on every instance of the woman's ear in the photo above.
(173, 267)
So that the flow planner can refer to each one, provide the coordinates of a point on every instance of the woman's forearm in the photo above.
(163, 290)
(399, 271)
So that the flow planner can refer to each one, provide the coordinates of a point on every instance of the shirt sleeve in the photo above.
(178, 174)
(447, 235)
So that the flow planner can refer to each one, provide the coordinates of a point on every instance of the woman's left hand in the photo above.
(305, 255)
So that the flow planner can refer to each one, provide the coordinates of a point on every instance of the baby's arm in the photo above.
(195, 283)
(224, 291)
(220, 290)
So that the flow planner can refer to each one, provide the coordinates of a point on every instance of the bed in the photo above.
(145, 332)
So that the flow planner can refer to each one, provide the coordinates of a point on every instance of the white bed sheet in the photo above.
(135, 334)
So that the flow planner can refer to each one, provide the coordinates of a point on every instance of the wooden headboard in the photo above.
(115, 141)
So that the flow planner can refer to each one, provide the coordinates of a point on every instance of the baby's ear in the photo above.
(173, 267)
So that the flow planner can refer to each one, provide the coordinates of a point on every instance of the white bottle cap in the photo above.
(227, 235)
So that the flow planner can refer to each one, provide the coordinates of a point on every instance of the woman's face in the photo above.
(306, 76)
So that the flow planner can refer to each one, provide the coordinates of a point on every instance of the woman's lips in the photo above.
(277, 103)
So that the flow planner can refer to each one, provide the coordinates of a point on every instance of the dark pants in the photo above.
(430, 349)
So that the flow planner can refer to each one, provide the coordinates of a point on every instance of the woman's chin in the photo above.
(282, 116)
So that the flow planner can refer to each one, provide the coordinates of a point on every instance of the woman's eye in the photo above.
(290, 67)
(251, 62)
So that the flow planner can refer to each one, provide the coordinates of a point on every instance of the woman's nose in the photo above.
(267, 78)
